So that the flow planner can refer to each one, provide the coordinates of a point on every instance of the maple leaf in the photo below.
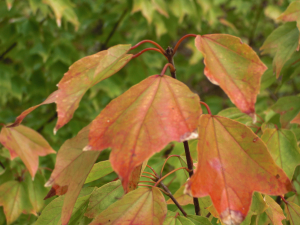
(82, 75)
(175, 218)
(63, 8)
(296, 119)
(71, 169)
(293, 213)
(27, 144)
(14, 199)
(229, 151)
(103, 197)
(292, 13)
(143, 121)
(234, 66)
(274, 211)
(141, 206)
(284, 149)
(281, 44)
(288, 108)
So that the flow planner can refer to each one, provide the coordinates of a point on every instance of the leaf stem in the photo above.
(165, 68)
(145, 50)
(169, 53)
(173, 199)
(144, 181)
(181, 39)
(148, 177)
(148, 41)
(145, 185)
(151, 174)
(165, 176)
(206, 106)
(283, 199)
(178, 156)
(152, 170)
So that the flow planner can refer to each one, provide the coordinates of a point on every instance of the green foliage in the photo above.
(41, 39)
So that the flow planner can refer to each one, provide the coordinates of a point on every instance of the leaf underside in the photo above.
(143, 121)
(228, 152)
(234, 66)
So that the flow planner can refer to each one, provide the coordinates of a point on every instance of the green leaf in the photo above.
(175, 219)
(51, 214)
(63, 8)
(104, 197)
(235, 114)
(99, 170)
(199, 220)
(141, 206)
(14, 200)
(288, 108)
(284, 149)
(281, 44)
(274, 211)
(293, 213)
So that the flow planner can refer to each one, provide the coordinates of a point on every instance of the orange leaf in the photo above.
(82, 75)
(296, 119)
(234, 66)
(143, 121)
(27, 144)
(71, 169)
(233, 163)
(141, 206)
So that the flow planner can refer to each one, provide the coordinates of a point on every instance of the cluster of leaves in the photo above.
(233, 163)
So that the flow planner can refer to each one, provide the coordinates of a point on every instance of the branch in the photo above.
(173, 199)
(8, 50)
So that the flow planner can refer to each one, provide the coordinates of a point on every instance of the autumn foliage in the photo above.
(239, 162)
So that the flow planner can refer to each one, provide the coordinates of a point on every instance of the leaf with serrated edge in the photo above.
(14, 200)
(274, 211)
(99, 170)
(293, 213)
(284, 149)
(82, 75)
(234, 66)
(104, 197)
(229, 151)
(288, 108)
(71, 169)
(141, 206)
(281, 44)
(27, 144)
(143, 120)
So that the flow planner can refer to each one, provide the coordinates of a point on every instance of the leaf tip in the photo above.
(253, 116)
(87, 148)
(55, 130)
(189, 136)
(231, 217)
(49, 183)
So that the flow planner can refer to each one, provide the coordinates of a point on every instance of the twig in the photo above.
(165, 68)
(189, 160)
(148, 177)
(8, 50)
(181, 39)
(151, 174)
(148, 41)
(145, 50)
(173, 199)
(206, 106)
(114, 29)
(173, 171)
(178, 156)
(152, 170)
